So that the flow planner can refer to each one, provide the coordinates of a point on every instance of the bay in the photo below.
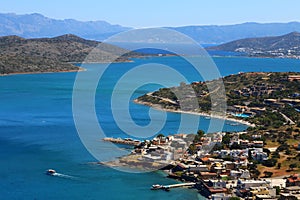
(37, 132)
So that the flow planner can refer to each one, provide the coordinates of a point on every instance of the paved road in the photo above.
(287, 119)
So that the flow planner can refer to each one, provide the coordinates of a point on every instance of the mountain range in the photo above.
(287, 46)
(226, 33)
(38, 26)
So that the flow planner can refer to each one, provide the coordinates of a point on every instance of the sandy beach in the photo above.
(227, 117)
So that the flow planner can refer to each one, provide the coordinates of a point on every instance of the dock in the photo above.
(127, 141)
(180, 185)
(168, 187)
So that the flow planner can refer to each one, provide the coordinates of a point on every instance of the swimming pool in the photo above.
(243, 115)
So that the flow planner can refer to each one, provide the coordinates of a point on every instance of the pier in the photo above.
(127, 141)
(167, 187)
(180, 185)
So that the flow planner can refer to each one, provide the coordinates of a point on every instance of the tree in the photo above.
(199, 135)
(226, 139)
(255, 173)
(244, 137)
(234, 198)
(266, 151)
(268, 174)
(160, 135)
(282, 147)
(278, 165)
(277, 190)
(270, 162)
(292, 166)
(192, 149)
(275, 155)
(235, 146)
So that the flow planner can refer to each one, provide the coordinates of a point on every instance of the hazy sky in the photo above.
(157, 13)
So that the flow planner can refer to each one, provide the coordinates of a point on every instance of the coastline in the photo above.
(81, 69)
(228, 118)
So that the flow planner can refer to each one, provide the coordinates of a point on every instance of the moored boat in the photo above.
(156, 187)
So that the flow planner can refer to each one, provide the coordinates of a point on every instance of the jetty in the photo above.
(168, 187)
(127, 141)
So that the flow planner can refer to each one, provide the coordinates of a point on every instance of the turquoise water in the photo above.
(242, 115)
(37, 132)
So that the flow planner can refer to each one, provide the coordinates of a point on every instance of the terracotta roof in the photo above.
(205, 159)
(217, 190)
(293, 178)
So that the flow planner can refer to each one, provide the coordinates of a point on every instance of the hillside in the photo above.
(270, 100)
(280, 46)
(19, 55)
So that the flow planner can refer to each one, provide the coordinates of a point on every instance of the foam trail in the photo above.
(65, 176)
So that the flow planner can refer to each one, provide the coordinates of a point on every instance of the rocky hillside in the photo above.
(280, 46)
(19, 55)
(270, 100)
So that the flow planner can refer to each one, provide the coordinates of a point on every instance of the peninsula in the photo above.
(261, 162)
(264, 99)
(285, 46)
(19, 55)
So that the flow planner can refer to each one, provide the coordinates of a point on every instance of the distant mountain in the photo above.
(278, 46)
(37, 26)
(220, 34)
(19, 55)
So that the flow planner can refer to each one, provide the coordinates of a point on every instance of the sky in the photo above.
(160, 13)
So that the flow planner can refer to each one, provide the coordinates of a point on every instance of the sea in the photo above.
(37, 132)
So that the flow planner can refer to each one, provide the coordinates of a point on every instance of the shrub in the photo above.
(270, 163)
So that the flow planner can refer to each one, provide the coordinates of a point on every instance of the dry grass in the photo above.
(284, 170)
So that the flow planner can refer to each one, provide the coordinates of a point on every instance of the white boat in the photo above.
(156, 187)
(51, 172)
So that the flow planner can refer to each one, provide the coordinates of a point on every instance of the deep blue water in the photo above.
(37, 132)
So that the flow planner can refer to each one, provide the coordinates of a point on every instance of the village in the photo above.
(261, 162)
(218, 173)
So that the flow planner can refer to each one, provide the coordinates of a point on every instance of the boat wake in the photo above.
(52, 172)
(65, 176)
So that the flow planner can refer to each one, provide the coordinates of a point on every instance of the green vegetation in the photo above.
(234, 198)
(272, 101)
(278, 190)
(292, 166)
(267, 97)
(19, 55)
(197, 139)
(268, 174)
